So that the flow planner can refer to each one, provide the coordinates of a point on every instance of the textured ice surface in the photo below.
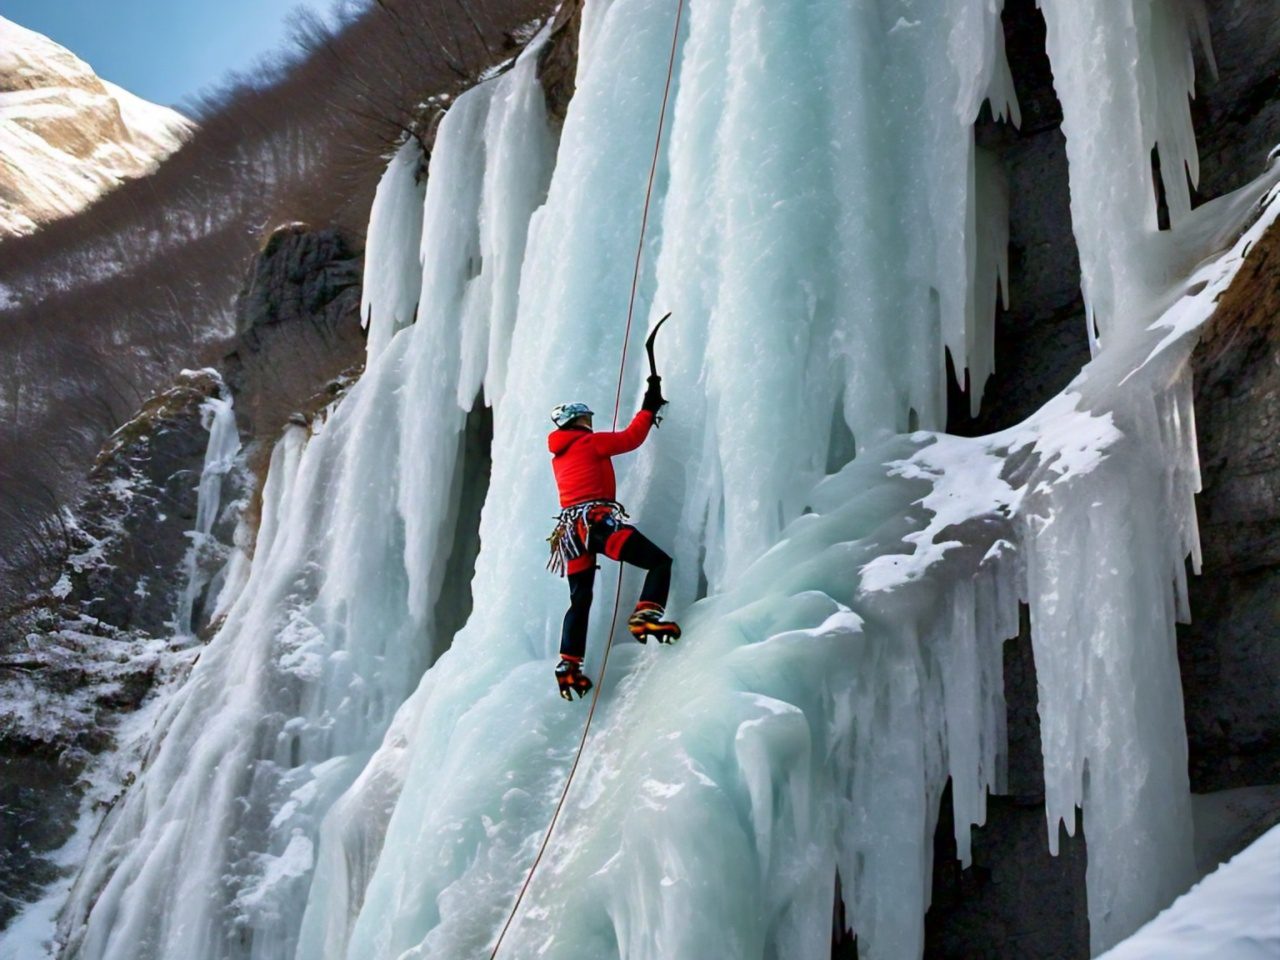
(1123, 71)
(392, 260)
(1233, 914)
(218, 417)
(825, 229)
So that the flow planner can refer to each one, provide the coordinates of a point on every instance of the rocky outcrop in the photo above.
(297, 327)
(66, 135)
(558, 66)
(1230, 652)
(65, 680)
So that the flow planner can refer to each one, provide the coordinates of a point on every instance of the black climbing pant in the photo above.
(639, 551)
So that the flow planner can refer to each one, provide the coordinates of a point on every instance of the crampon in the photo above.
(570, 679)
(647, 622)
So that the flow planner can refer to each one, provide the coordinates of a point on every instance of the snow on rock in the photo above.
(1227, 821)
(79, 696)
(98, 688)
(1233, 914)
(67, 136)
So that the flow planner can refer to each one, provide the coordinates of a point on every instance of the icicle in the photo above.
(488, 175)
(990, 271)
(1138, 51)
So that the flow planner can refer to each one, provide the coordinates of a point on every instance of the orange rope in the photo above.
(617, 405)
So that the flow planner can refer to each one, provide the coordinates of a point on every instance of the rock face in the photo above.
(75, 661)
(65, 680)
(297, 325)
(1237, 111)
(558, 67)
(130, 535)
(67, 136)
(1230, 653)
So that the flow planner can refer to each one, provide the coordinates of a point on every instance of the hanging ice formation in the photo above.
(827, 229)
(204, 570)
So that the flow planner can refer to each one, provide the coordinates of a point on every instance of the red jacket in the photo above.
(581, 458)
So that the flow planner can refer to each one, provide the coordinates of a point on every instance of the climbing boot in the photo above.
(571, 679)
(647, 622)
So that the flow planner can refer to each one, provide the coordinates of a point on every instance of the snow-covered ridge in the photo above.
(66, 135)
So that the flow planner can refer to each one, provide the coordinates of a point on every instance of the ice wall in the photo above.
(825, 231)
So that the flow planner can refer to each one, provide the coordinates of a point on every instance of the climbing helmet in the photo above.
(566, 413)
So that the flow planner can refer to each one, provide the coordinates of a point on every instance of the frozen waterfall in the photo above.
(341, 778)
(204, 555)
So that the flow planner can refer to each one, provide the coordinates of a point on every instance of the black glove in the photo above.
(653, 399)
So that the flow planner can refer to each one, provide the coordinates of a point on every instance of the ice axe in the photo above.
(653, 364)
(648, 346)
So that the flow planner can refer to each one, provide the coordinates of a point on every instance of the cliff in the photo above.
(298, 347)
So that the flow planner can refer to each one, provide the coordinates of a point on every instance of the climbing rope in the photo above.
(617, 405)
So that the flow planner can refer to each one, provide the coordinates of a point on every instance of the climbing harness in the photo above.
(572, 532)
(617, 405)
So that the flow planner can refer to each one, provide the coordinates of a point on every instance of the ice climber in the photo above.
(593, 522)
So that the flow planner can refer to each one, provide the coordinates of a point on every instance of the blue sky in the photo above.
(163, 50)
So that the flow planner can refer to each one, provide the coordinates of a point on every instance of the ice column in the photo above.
(218, 417)
(488, 174)
(392, 269)
(1103, 606)
(782, 263)
(1138, 51)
